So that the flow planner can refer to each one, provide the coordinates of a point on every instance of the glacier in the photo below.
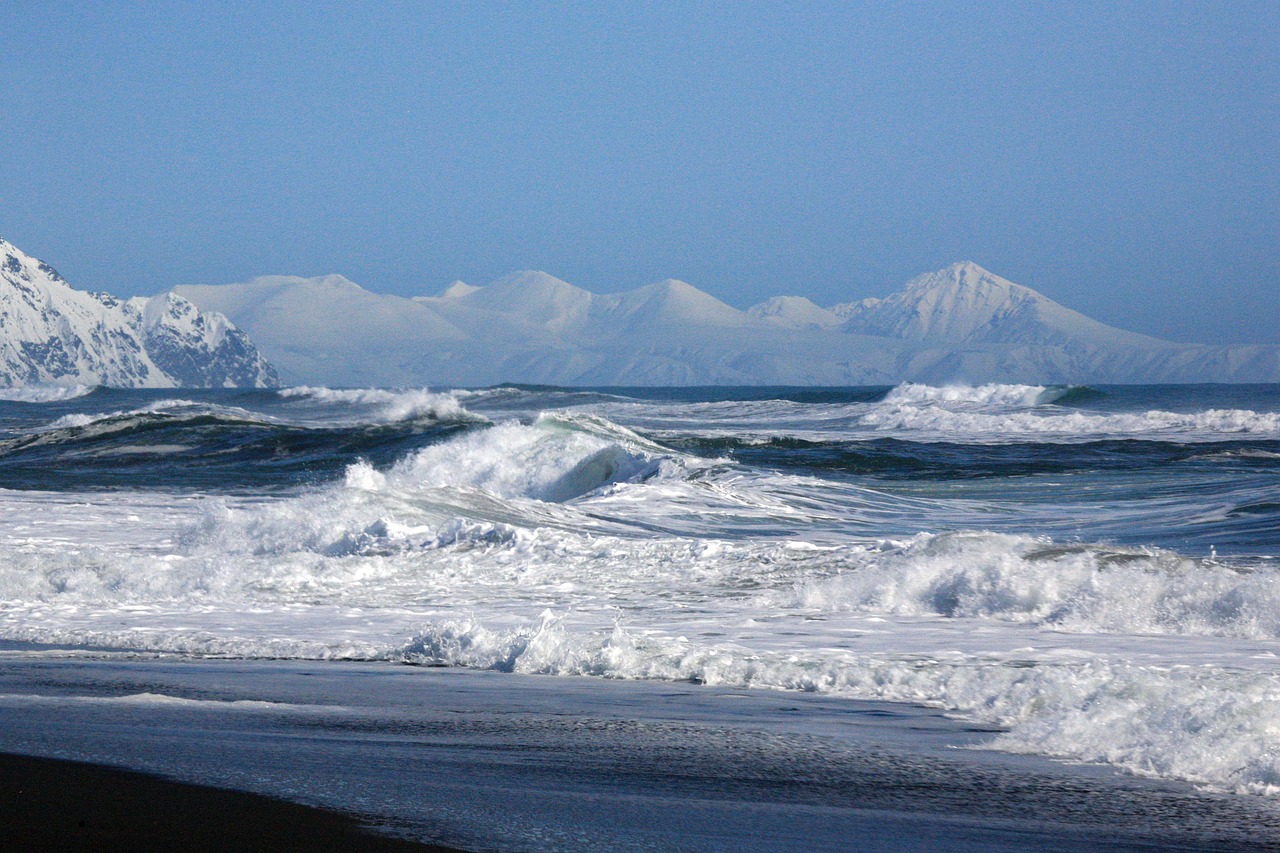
(958, 324)
(52, 334)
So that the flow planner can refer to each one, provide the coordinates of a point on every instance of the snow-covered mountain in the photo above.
(330, 330)
(796, 312)
(958, 324)
(51, 333)
(965, 304)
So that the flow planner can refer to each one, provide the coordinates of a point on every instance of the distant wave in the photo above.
(1022, 412)
(984, 414)
(46, 393)
(389, 406)
(167, 410)
(1020, 396)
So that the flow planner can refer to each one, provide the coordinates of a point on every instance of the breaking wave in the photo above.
(1209, 726)
(1004, 413)
(388, 406)
(1072, 587)
(986, 395)
(46, 393)
(508, 474)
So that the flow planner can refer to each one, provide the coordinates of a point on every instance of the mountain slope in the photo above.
(796, 312)
(329, 329)
(52, 333)
(965, 304)
(959, 324)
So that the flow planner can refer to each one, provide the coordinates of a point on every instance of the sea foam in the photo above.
(46, 393)
(1074, 587)
(1205, 725)
(388, 406)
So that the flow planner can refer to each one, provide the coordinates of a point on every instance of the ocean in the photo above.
(1086, 573)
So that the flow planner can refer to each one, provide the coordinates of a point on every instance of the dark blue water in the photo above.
(1204, 459)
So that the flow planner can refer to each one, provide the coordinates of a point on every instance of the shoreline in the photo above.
(58, 804)
(480, 760)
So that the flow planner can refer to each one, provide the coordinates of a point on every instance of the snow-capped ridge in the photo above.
(53, 334)
(795, 312)
(670, 301)
(458, 288)
(966, 304)
(960, 323)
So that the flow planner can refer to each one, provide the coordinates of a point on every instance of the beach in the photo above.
(952, 618)
(61, 805)
(490, 762)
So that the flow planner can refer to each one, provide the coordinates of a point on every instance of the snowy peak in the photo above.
(534, 297)
(961, 303)
(670, 302)
(795, 312)
(458, 289)
(961, 323)
(51, 333)
(19, 266)
(966, 304)
(528, 288)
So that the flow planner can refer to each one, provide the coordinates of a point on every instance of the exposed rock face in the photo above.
(51, 333)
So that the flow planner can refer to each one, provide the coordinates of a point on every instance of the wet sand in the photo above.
(50, 805)
(501, 762)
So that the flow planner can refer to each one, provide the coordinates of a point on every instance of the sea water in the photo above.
(1091, 572)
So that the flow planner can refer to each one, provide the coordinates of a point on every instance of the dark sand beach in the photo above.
(50, 804)
(501, 762)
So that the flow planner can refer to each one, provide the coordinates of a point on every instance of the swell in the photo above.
(892, 458)
(202, 450)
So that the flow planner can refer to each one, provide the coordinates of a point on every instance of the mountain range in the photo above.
(961, 323)
(51, 333)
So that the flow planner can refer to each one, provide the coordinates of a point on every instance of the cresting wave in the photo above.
(584, 539)
(388, 406)
(171, 408)
(985, 395)
(984, 414)
(46, 393)
(220, 446)
(509, 474)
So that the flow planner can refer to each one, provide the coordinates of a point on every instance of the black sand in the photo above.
(53, 805)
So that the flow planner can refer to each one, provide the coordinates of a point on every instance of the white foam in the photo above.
(1206, 725)
(983, 414)
(121, 419)
(390, 406)
(983, 395)
(1032, 579)
(46, 393)
(938, 423)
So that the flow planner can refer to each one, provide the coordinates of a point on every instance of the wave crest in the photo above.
(389, 406)
(982, 395)
(510, 474)
(1079, 588)
(46, 393)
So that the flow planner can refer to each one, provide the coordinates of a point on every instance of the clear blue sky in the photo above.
(1123, 159)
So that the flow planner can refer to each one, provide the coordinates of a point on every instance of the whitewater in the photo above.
(1090, 574)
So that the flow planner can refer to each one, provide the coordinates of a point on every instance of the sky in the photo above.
(1121, 158)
